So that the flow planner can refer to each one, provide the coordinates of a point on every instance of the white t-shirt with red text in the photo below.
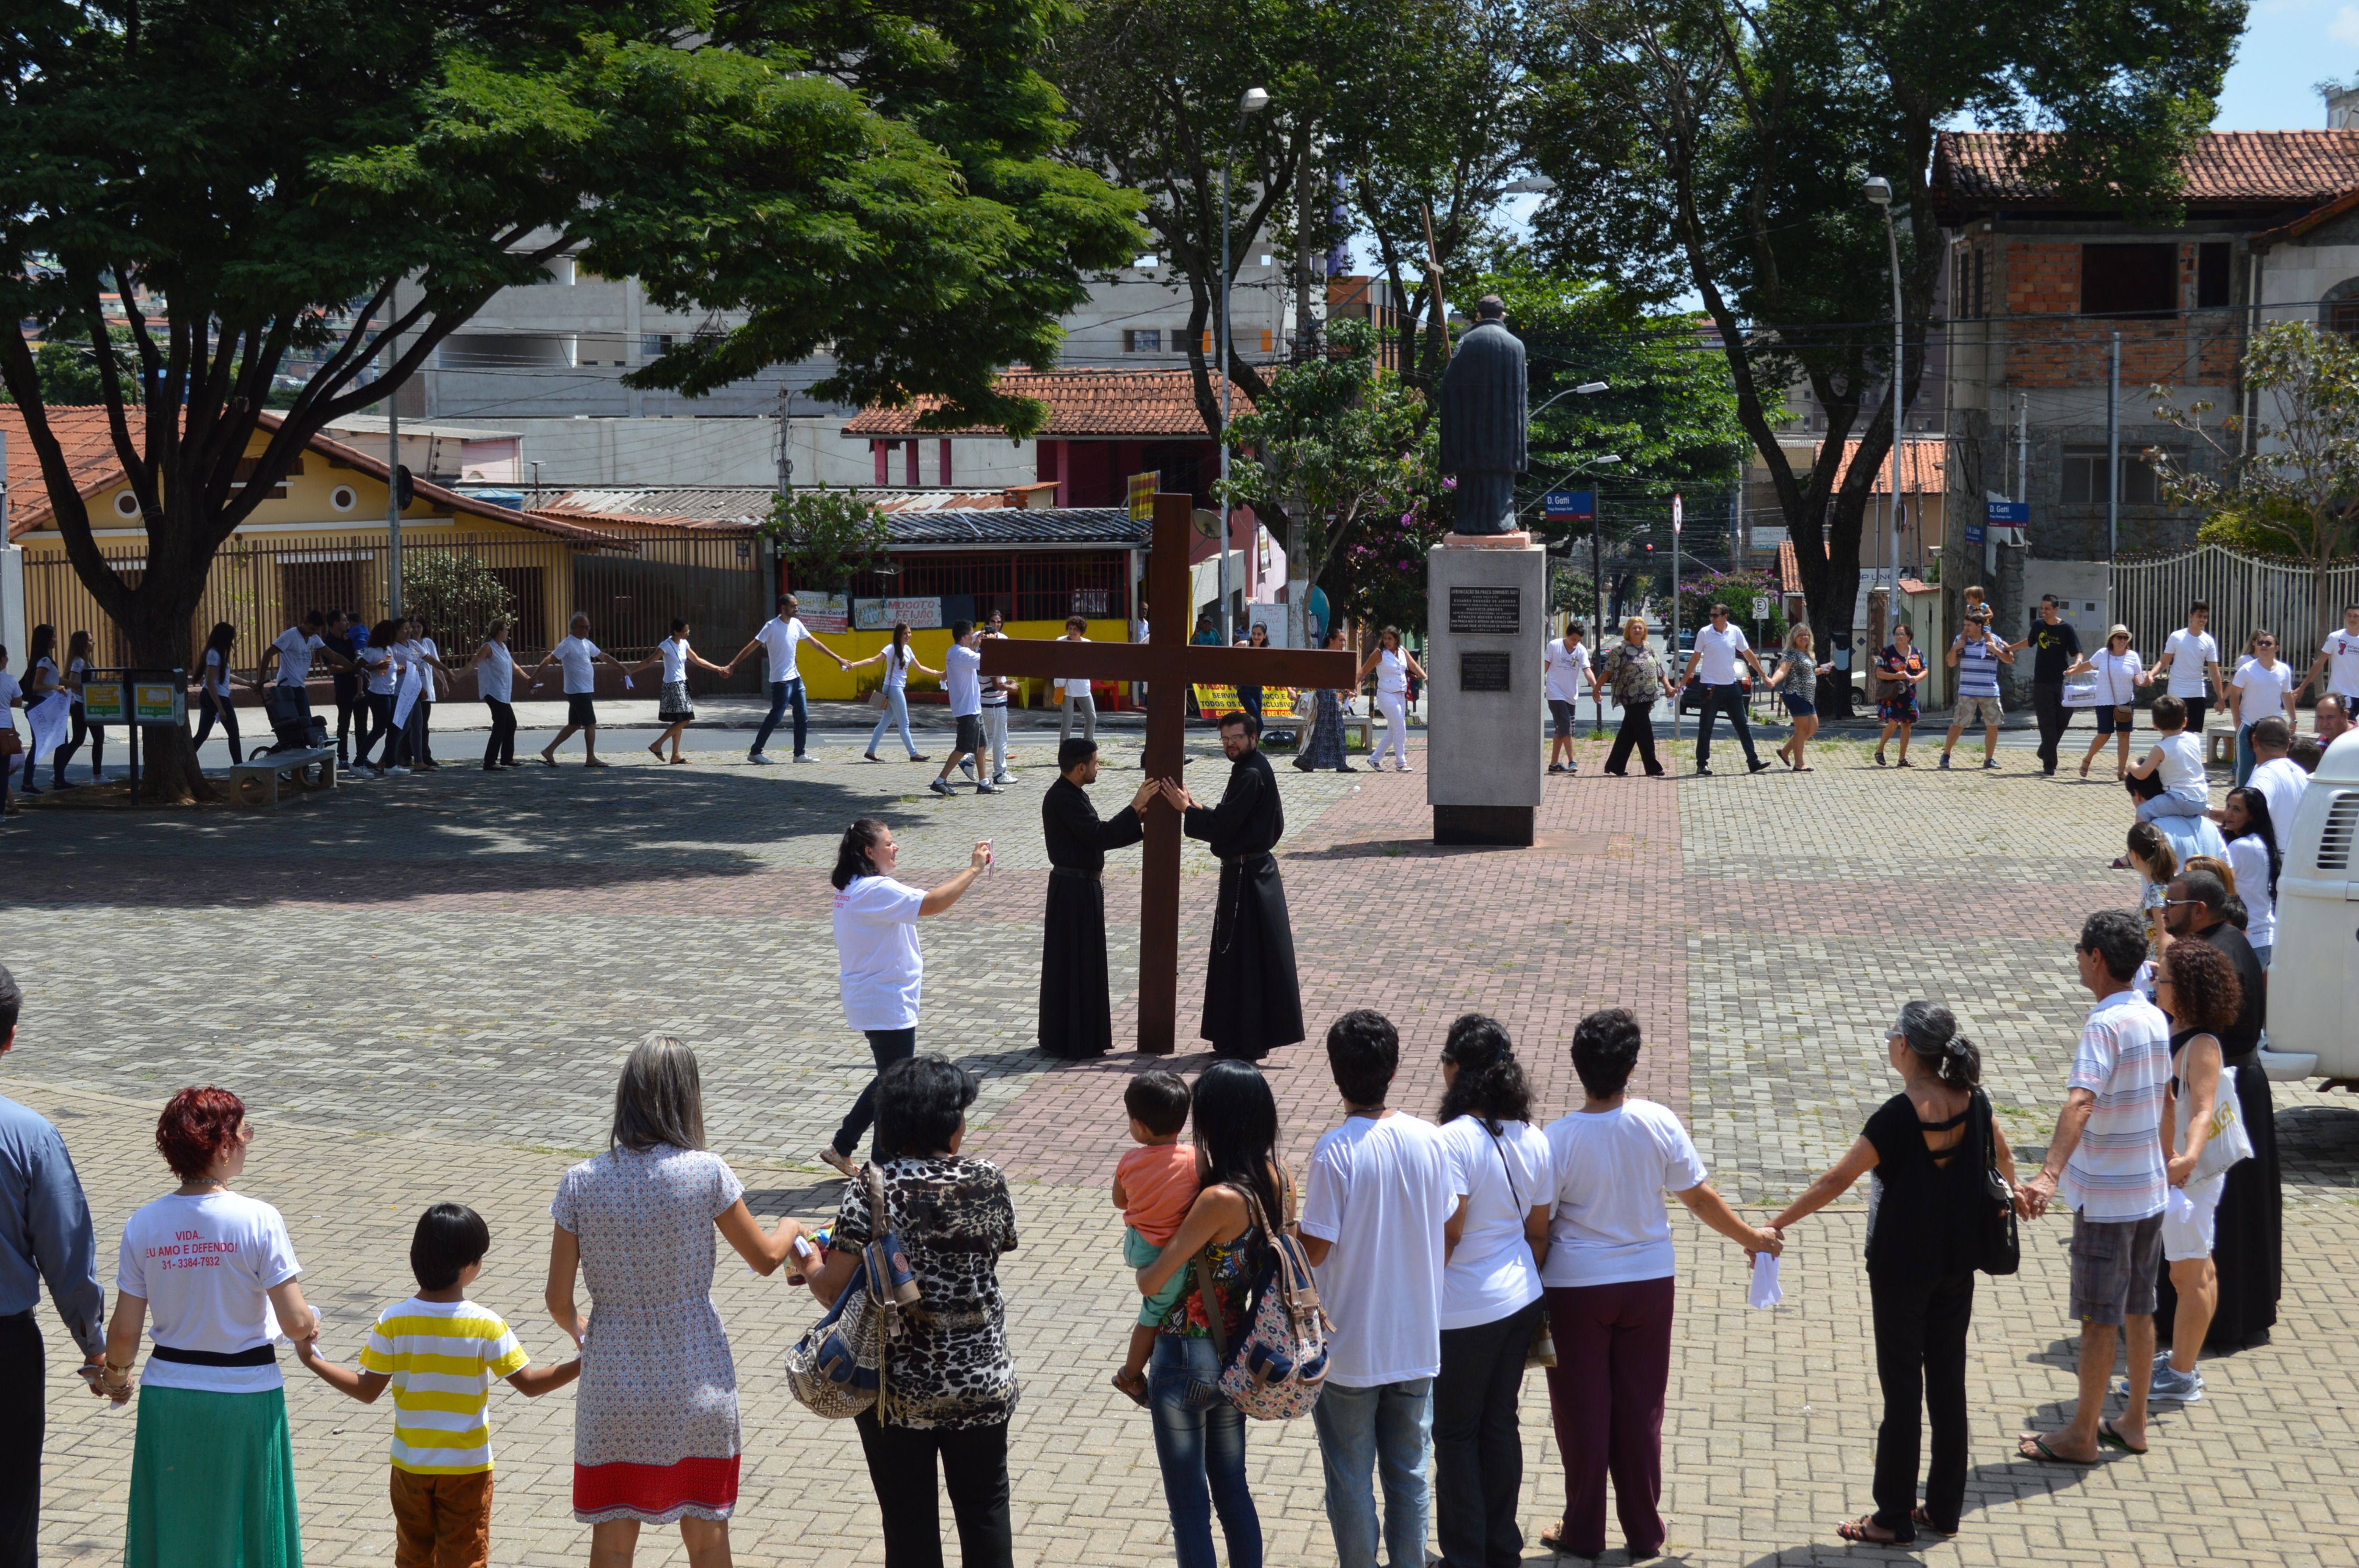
(205, 1266)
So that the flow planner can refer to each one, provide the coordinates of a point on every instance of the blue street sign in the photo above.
(2010, 514)
(1569, 506)
(1975, 534)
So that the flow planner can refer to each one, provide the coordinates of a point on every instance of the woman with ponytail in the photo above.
(1924, 1148)
(1490, 1292)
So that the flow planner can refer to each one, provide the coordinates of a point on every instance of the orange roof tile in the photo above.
(1082, 404)
(2222, 165)
(1923, 475)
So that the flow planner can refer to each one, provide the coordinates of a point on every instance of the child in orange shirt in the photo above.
(1154, 1185)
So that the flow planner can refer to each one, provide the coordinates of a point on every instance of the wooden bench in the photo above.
(257, 782)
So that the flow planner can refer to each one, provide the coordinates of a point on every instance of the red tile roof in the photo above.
(1922, 471)
(2222, 165)
(2346, 203)
(88, 449)
(1082, 404)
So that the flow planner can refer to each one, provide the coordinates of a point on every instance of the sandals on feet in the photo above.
(2034, 1445)
(1856, 1529)
(1133, 1386)
(2108, 1434)
(839, 1164)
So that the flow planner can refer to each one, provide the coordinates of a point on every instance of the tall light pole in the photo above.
(1879, 191)
(1254, 102)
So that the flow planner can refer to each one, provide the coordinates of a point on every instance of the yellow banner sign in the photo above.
(1142, 495)
(1218, 699)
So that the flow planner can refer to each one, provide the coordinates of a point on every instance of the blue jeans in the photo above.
(1387, 1428)
(2245, 761)
(1717, 701)
(896, 711)
(1199, 1442)
(781, 693)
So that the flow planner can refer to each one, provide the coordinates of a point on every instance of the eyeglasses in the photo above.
(2266, 643)
(2181, 903)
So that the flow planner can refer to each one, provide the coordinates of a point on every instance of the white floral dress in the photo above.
(654, 1423)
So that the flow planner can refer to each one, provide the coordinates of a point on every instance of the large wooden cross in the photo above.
(1169, 663)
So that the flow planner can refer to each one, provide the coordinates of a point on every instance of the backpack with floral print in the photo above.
(1275, 1373)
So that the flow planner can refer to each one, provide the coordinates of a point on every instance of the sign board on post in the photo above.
(1762, 607)
(1569, 506)
(158, 702)
(1142, 495)
(106, 701)
(824, 612)
(1976, 534)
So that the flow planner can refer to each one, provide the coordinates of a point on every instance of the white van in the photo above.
(2315, 972)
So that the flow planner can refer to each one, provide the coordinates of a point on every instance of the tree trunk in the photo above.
(158, 637)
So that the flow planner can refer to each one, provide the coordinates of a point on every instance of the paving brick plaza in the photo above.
(424, 985)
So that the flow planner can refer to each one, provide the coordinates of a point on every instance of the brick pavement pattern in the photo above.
(423, 986)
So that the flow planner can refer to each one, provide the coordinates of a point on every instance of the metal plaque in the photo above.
(1485, 671)
(1486, 612)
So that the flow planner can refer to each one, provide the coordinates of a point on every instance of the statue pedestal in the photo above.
(1486, 602)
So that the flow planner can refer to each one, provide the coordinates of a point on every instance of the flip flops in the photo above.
(2112, 1438)
(2034, 1445)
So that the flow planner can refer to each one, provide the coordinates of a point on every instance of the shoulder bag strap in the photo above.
(1512, 1191)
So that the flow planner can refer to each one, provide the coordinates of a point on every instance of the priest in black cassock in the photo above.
(1076, 1016)
(1250, 1001)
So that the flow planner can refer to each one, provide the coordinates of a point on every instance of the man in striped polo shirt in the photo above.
(2105, 1163)
(1977, 655)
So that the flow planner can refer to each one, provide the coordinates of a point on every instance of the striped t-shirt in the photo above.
(1978, 668)
(441, 1357)
(2115, 1174)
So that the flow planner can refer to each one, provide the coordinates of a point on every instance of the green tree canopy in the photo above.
(827, 537)
(873, 179)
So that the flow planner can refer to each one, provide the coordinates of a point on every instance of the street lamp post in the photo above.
(1879, 191)
(1254, 101)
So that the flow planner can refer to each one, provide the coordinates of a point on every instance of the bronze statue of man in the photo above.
(1483, 421)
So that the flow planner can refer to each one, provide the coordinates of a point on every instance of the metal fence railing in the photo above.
(2246, 593)
(632, 586)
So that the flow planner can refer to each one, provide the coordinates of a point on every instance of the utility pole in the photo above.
(1310, 277)
(1673, 651)
(786, 448)
(392, 479)
(2112, 471)
(1597, 592)
(1253, 102)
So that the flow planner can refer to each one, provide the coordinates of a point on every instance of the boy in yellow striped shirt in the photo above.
(438, 1352)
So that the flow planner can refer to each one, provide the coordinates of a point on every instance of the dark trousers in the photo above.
(501, 748)
(901, 1464)
(1605, 1392)
(1920, 1357)
(783, 692)
(425, 718)
(889, 1047)
(1478, 1454)
(2048, 707)
(352, 714)
(1719, 699)
(378, 728)
(211, 709)
(22, 1413)
(58, 759)
(1638, 730)
(2197, 708)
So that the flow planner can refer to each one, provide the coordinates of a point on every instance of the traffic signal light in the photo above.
(405, 489)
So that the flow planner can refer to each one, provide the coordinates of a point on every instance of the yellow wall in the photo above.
(822, 681)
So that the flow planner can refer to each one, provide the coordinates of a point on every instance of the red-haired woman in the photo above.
(212, 1275)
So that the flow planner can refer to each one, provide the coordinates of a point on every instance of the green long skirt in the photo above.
(212, 1482)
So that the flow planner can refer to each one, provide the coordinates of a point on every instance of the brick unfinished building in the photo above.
(2037, 287)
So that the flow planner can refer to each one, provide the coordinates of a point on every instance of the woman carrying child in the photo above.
(1199, 1437)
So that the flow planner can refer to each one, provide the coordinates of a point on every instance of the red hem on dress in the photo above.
(660, 1491)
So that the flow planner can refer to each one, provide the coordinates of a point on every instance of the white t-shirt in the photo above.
(675, 657)
(204, 1266)
(2182, 760)
(1717, 654)
(2281, 782)
(1380, 1189)
(495, 677)
(962, 675)
(75, 671)
(1492, 1275)
(218, 684)
(10, 695)
(378, 660)
(1612, 1170)
(877, 964)
(425, 671)
(2342, 650)
(779, 636)
(896, 667)
(296, 647)
(2192, 654)
(2261, 689)
(1392, 673)
(578, 655)
(2249, 858)
(2116, 677)
(44, 677)
(1567, 669)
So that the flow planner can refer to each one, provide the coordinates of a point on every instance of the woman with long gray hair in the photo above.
(654, 1426)
(1925, 1212)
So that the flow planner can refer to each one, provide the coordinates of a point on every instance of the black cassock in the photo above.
(1076, 1017)
(1250, 1001)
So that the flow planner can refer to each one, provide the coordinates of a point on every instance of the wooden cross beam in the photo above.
(1169, 663)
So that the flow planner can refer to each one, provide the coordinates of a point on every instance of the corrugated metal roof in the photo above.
(713, 503)
(1079, 526)
(1082, 403)
(2220, 166)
